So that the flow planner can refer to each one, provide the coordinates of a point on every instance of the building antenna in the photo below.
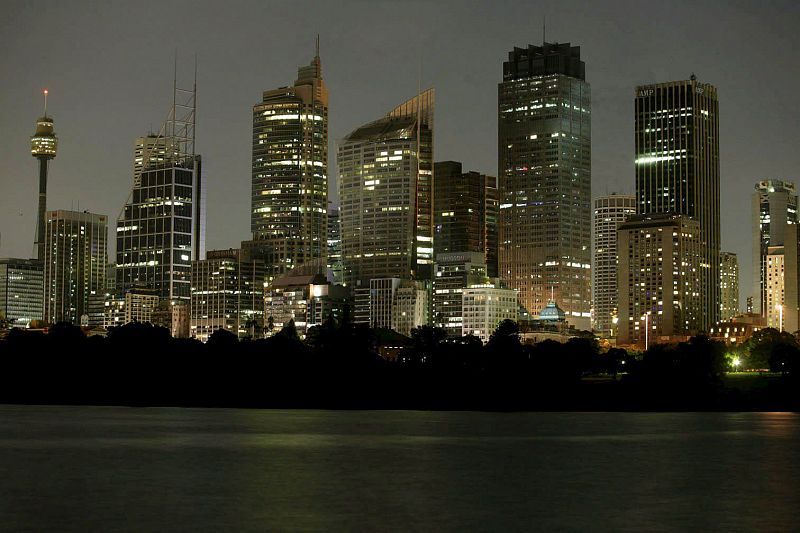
(317, 49)
(45, 102)
(544, 29)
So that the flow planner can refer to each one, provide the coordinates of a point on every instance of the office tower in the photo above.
(774, 206)
(774, 287)
(385, 195)
(75, 261)
(791, 274)
(658, 278)
(227, 293)
(484, 307)
(161, 228)
(335, 267)
(44, 144)
(20, 291)
(465, 212)
(728, 285)
(609, 213)
(454, 272)
(308, 300)
(393, 303)
(290, 172)
(677, 168)
(544, 148)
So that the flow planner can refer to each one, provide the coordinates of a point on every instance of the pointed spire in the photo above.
(544, 29)
(45, 102)
(316, 56)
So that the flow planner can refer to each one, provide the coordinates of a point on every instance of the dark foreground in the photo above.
(166, 469)
(339, 367)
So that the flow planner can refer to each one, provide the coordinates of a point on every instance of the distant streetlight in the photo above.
(736, 362)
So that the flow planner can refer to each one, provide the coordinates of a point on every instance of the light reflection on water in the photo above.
(124, 469)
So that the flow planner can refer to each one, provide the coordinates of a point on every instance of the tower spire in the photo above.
(544, 29)
(45, 102)
(316, 55)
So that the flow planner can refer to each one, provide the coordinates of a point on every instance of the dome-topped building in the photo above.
(552, 313)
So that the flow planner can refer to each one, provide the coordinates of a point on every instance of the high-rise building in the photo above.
(677, 168)
(290, 171)
(728, 286)
(161, 228)
(44, 144)
(465, 213)
(658, 278)
(386, 195)
(774, 293)
(75, 261)
(454, 272)
(335, 267)
(774, 206)
(20, 291)
(609, 213)
(544, 147)
(227, 293)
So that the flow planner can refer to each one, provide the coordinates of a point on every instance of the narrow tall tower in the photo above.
(43, 147)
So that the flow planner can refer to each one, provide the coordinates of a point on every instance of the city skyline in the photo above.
(80, 109)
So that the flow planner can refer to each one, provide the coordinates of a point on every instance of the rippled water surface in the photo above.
(133, 469)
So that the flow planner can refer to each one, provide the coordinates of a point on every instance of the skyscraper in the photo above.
(774, 206)
(728, 285)
(454, 273)
(544, 148)
(161, 228)
(677, 168)
(290, 172)
(44, 144)
(465, 213)
(609, 213)
(385, 195)
(658, 277)
(334, 247)
(75, 260)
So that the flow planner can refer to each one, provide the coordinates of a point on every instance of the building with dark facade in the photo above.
(20, 291)
(454, 272)
(544, 173)
(290, 172)
(677, 168)
(728, 286)
(465, 212)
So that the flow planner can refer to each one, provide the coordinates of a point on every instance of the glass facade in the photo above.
(386, 195)
(20, 291)
(544, 149)
(161, 230)
(677, 167)
(290, 170)
(728, 286)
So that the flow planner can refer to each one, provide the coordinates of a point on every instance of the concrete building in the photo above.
(609, 213)
(659, 279)
(774, 208)
(386, 195)
(290, 172)
(774, 301)
(21, 286)
(227, 293)
(308, 300)
(728, 285)
(544, 149)
(454, 272)
(335, 267)
(393, 303)
(484, 307)
(75, 261)
(677, 169)
(465, 210)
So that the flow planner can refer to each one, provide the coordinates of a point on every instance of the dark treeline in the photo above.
(338, 366)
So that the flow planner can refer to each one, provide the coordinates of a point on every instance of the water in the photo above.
(126, 469)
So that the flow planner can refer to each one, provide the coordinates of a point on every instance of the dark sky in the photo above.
(108, 66)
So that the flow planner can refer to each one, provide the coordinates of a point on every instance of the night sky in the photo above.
(109, 69)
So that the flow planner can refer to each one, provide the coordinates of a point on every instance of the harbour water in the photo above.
(166, 469)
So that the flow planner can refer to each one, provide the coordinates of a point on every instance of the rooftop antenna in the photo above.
(544, 29)
(317, 49)
(45, 102)
(552, 295)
